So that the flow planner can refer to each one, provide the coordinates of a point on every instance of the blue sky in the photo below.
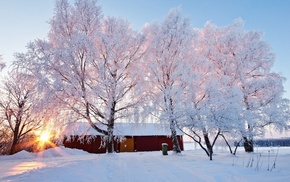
(23, 21)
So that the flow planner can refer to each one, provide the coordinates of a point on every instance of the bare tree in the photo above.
(19, 111)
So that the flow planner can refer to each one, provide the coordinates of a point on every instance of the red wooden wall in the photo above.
(154, 143)
(141, 143)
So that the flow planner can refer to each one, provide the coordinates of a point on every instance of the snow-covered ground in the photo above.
(62, 164)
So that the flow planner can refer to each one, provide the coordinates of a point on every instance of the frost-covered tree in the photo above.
(214, 115)
(262, 89)
(168, 50)
(263, 104)
(219, 104)
(89, 65)
(212, 101)
(116, 73)
(232, 90)
(246, 61)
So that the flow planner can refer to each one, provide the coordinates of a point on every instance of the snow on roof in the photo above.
(122, 129)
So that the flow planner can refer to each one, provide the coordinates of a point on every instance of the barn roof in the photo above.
(122, 129)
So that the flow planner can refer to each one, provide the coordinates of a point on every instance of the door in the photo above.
(127, 145)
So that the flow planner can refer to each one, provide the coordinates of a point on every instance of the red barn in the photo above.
(141, 137)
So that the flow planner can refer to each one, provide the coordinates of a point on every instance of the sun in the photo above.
(44, 137)
(43, 141)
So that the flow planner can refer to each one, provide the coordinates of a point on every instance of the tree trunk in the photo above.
(195, 140)
(248, 145)
(110, 137)
(110, 144)
(236, 146)
(230, 148)
(208, 145)
(176, 147)
(13, 148)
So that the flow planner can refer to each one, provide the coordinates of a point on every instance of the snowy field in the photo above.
(62, 164)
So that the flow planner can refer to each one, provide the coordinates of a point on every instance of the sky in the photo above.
(24, 21)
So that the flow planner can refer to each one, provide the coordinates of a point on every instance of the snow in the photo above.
(63, 164)
(122, 129)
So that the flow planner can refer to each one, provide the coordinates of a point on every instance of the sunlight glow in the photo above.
(44, 137)
(25, 166)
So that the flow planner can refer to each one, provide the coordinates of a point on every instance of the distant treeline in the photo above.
(282, 142)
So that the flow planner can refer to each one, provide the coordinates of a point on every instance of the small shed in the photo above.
(136, 137)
